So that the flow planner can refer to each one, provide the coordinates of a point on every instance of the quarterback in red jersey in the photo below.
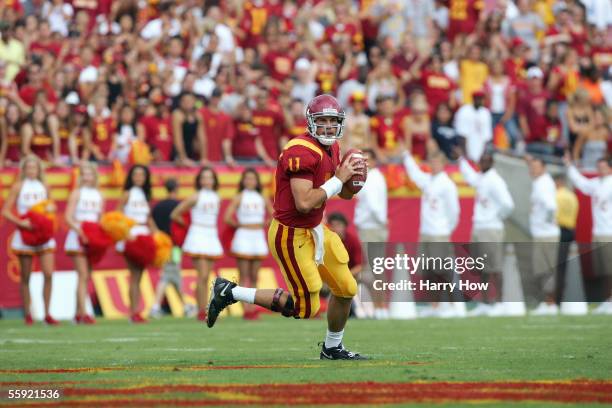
(309, 172)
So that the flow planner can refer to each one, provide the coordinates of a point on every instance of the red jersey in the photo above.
(243, 141)
(602, 56)
(42, 145)
(437, 87)
(553, 131)
(50, 47)
(300, 127)
(515, 69)
(533, 107)
(254, 21)
(334, 33)
(102, 134)
(280, 65)
(419, 145)
(303, 157)
(387, 131)
(270, 126)
(28, 94)
(218, 126)
(463, 16)
(158, 133)
(353, 247)
(64, 136)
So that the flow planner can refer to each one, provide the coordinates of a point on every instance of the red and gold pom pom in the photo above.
(117, 225)
(163, 248)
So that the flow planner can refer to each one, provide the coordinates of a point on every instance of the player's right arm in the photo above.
(307, 198)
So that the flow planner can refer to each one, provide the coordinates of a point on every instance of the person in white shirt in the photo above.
(134, 203)
(439, 200)
(600, 191)
(439, 217)
(492, 205)
(545, 234)
(202, 243)
(474, 123)
(27, 190)
(371, 222)
(59, 14)
(305, 87)
(246, 213)
(85, 204)
(166, 25)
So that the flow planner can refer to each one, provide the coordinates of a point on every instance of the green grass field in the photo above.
(549, 361)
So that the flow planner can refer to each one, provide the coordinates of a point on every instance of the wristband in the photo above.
(332, 187)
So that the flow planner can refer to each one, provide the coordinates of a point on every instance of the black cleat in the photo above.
(220, 298)
(339, 353)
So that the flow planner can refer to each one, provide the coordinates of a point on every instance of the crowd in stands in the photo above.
(227, 81)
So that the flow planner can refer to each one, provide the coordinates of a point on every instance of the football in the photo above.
(356, 182)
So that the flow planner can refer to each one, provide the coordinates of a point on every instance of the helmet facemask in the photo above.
(324, 138)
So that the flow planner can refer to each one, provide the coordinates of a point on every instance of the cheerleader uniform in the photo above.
(202, 240)
(136, 208)
(88, 208)
(32, 192)
(250, 243)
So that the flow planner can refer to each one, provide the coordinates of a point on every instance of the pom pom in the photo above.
(179, 232)
(141, 250)
(98, 241)
(163, 248)
(41, 232)
(48, 209)
(116, 225)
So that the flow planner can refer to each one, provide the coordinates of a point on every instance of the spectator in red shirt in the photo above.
(338, 223)
(37, 137)
(386, 129)
(218, 128)
(102, 131)
(515, 64)
(463, 17)
(416, 128)
(279, 59)
(45, 43)
(532, 113)
(36, 84)
(269, 124)
(155, 126)
(245, 147)
(254, 19)
(438, 87)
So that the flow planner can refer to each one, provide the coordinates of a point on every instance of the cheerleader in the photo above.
(84, 204)
(249, 245)
(202, 242)
(134, 203)
(29, 190)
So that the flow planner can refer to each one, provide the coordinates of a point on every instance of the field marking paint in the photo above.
(349, 393)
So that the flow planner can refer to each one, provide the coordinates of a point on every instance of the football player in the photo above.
(309, 172)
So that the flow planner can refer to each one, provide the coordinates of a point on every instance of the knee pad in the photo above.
(289, 309)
